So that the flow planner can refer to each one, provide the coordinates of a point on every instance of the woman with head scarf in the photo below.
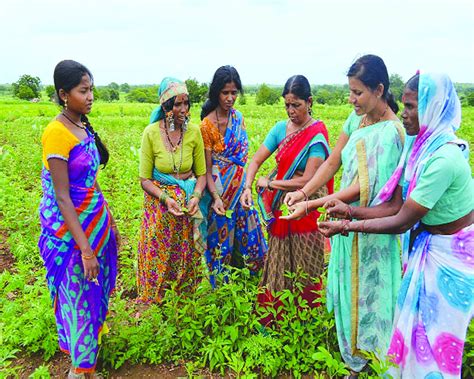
(436, 299)
(172, 175)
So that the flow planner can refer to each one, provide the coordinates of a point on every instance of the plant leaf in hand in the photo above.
(322, 214)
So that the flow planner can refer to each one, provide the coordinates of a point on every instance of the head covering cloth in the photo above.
(169, 88)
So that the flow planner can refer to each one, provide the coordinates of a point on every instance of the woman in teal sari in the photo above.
(364, 270)
(172, 174)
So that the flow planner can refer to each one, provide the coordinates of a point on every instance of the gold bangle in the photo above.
(217, 196)
(87, 257)
(197, 195)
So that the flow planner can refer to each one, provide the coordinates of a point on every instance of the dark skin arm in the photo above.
(59, 173)
(217, 204)
(339, 209)
(410, 213)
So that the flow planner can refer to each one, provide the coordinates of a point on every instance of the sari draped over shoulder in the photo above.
(80, 305)
(170, 248)
(364, 269)
(436, 300)
(294, 245)
(237, 238)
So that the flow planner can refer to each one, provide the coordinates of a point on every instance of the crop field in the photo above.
(209, 331)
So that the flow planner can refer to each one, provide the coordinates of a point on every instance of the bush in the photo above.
(267, 95)
(50, 92)
(27, 87)
(197, 92)
(143, 95)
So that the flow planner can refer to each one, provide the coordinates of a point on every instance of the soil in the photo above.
(7, 260)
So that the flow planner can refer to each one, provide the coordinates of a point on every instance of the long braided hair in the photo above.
(67, 75)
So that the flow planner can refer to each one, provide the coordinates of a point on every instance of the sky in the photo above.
(142, 41)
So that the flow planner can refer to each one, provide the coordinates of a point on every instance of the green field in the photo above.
(26, 318)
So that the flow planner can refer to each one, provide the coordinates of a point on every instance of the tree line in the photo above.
(29, 88)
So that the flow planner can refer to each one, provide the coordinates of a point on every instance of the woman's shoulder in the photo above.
(194, 129)
(152, 128)
(57, 130)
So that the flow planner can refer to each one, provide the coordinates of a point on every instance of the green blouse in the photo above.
(445, 186)
(154, 153)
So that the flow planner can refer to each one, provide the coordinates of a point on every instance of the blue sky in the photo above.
(141, 41)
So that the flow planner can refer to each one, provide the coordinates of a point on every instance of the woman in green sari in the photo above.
(364, 270)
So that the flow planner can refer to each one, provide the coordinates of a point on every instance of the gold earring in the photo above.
(65, 103)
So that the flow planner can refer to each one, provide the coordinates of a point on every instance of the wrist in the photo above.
(197, 195)
(350, 212)
(345, 228)
(215, 195)
(163, 197)
(300, 190)
(269, 185)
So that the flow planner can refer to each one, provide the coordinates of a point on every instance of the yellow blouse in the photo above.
(57, 142)
(154, 153)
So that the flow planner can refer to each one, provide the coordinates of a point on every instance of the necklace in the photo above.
(173, 147)
(303, 126)
(365, 123)
(74, 123)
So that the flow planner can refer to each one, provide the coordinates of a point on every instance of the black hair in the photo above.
(413, 82)
(169, 104)
(67, 75)
(297, 85)
(222, 76)
(371, 70)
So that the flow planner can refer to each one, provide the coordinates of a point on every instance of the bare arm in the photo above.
(410, 213)
(217, 204)
(324, 173)
(299, 181)
(259, 157)
(59, 173)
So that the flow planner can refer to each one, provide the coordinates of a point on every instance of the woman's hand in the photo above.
(262, 182)
(218, 206)
(293, 198)
(193, 205)
(338, 209)
(296, 211)
(246, 198)
(90, 263)
(330, 228)
(173, 207)
(118, 237)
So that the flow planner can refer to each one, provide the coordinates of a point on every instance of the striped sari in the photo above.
(80, 306)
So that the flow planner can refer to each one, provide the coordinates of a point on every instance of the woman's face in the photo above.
(362, 97)
(227, 96)
(180, 109)
(81, 97)
(296, 108)
(410, 112)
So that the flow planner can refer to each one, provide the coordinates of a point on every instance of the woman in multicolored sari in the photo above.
(235, 235)
(364, 270)
(436, 299)
(302, 146)
(173, 176)
(78, 241)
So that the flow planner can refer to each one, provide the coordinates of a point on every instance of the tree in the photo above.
(396, 86)
(143, 95)
(125, 87)
(27, 87)
(114, 86)
(470, 99)
(50, 92)
(267, 95)
(197, 92)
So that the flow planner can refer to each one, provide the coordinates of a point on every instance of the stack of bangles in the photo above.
(163, 197)
(215, 195)
(87, 257)
(306, 198)
(345, 228)
(197, 195)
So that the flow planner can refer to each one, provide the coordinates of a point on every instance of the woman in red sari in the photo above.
(302, 146)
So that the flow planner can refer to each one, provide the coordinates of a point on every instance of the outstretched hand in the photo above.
(338, 209)
(330, 228)
(294, 197)
(296, 212)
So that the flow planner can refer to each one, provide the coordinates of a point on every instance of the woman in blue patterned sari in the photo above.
(235, 236)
